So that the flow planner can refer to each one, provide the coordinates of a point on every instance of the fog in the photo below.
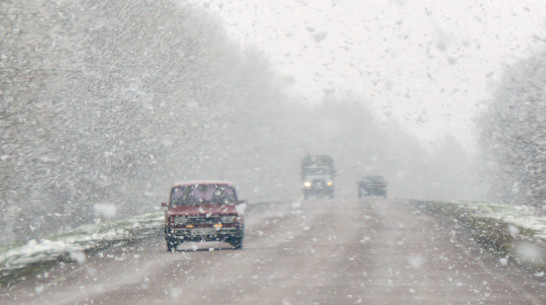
(433, 113)
(111, 102)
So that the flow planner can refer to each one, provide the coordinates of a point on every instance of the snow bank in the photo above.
(514, 231)
(73, 245)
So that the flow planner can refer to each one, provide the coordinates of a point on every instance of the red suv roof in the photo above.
(205, 182)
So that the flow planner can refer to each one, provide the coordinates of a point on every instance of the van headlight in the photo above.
(307, 183)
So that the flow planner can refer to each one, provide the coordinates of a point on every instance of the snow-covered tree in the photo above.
(514, 133)
(109, 101)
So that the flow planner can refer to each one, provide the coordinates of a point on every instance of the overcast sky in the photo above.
(427, 64)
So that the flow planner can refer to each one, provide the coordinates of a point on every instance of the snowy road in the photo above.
(344, 251)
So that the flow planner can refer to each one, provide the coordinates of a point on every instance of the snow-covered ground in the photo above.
(73, 244)
(515, 231)
(519, 216)
(521, 220)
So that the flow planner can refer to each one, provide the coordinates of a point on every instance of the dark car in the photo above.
(203, 211)
(372, 186)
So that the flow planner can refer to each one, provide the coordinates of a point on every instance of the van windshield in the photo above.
(197, 194)
(317, 171)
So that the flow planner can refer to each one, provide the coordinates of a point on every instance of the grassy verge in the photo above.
(18, 262)
(513, 232)
(21, 261)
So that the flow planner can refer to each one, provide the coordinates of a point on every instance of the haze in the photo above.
(428, 117)
(113, 104)
(426, 64)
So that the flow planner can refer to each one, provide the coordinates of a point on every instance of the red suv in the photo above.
(204, 211)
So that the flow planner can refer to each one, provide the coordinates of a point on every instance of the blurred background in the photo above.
(111, 102)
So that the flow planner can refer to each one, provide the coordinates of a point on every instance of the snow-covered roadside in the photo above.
(72, 245)
(518, 216)
(515, 231)
(19, 259)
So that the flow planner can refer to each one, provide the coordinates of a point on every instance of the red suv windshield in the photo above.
(188, 195)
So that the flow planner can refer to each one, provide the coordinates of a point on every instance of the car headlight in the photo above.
(330, 183)
(307, 183)
(181, 220)
(227, 219)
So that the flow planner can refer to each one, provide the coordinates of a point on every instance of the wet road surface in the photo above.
(320, 251)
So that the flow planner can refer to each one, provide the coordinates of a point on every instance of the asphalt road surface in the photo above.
(321, 251)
